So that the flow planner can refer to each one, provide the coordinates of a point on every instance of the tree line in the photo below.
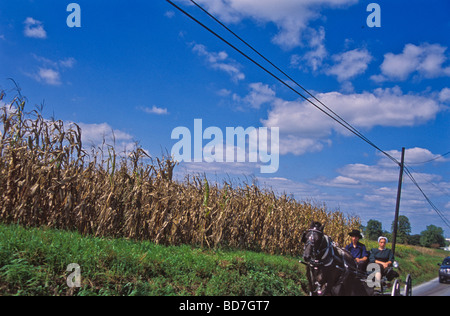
(432, 237)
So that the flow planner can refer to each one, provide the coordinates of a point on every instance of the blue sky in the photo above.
(143, 69)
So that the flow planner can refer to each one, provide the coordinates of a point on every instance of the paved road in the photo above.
(432, 288)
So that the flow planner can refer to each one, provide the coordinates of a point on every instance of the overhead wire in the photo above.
(431, 160)
(343, 121)
(431, 183)
(334, 116)
(279, 69)
(434, 207)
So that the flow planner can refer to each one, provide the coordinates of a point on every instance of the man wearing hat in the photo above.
(358, 250)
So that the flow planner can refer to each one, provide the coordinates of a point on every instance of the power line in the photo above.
(333, 116)
(440, 214)
(278, 68)
(435, 158)
(434, 185)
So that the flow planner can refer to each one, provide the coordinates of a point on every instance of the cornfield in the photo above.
(48, 179)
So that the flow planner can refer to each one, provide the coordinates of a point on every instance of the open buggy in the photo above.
(331, 270)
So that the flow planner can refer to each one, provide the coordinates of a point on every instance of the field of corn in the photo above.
(47, 178)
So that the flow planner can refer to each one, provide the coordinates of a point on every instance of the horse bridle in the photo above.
(325, 255)
(320, 258)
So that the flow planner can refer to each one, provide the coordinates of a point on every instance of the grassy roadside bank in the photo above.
(420, 262)
(34, 262)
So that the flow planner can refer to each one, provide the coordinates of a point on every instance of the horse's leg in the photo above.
(310, 279)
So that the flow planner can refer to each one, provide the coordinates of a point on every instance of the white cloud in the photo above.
(350, 64)
(444, 95)
(297, 118)
(229, 168)
(34, 29)
(426, 60)
(305, 129)
(67, 63)
(375, 173)
(49, 71)
(292, 17)
(299, 145)
(155, 110)
(383, 107)
(338, 182)
(301, 127)
(282, 185)
(98, 135)
(415, 156)
(412, 203)
(259, 95)
(214, 161)
(48, 76)
(385, 171)
(380, 180)
(313, 58)
(220, 61)
(169, 14)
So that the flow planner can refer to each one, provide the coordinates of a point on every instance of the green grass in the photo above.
(420, 262)
(34, 261)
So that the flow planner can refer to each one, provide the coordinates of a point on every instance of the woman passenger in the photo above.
(384, 258)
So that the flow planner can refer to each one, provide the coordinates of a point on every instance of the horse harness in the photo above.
(323, 257)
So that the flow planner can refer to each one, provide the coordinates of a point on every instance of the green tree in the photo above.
(414, 240)
(403, 230)
(433, 235)
(373, 229)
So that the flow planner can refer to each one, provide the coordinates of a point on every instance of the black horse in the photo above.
(331, 271)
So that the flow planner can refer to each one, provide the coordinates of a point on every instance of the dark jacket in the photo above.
(359, 251)
(381, 255)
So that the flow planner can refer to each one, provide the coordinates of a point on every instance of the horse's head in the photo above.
(313, 239)
(315, 248)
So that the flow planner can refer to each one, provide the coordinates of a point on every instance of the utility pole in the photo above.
(397, 207)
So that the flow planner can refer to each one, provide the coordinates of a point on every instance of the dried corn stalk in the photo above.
(48, 179)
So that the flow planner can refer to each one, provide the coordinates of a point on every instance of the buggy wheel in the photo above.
(408, 286)
(396, 288)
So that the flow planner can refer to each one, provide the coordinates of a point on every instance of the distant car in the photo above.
(444, 271)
